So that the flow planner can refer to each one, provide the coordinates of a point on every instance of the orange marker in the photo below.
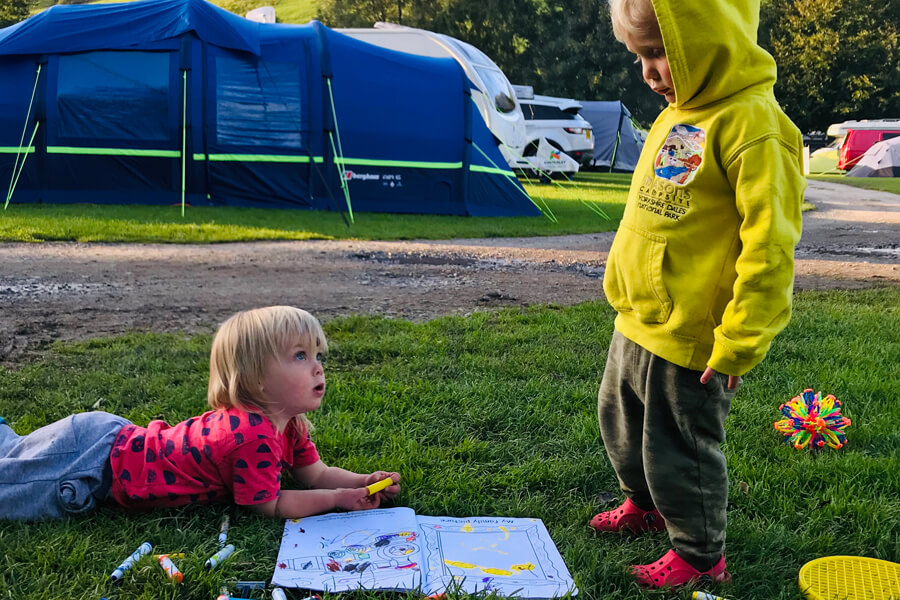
(169, 567)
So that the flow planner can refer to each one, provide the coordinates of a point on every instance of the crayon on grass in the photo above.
(379, 485)
(169, 567)
(119, 573)
(223, 532)
(216, 559)
(170, 555)
(706, 596)
(278, 594)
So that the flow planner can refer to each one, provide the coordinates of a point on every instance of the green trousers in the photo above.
(663, 431)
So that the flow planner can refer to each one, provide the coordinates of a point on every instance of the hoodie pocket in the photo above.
(633, 282)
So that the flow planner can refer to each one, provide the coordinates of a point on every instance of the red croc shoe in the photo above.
(629, 517)
(673, 571)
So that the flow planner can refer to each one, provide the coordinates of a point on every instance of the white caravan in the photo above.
(493, 94)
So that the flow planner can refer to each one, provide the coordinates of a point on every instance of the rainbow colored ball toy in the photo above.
(813, 421)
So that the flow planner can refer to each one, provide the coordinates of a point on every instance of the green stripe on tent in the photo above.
(412, 164)
(276, 158)
(113, 151)
(15, 150)
(494, 170)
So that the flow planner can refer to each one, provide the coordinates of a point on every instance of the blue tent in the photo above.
(617, 144)
(170, 101)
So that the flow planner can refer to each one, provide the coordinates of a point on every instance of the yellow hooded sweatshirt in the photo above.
(701, 269)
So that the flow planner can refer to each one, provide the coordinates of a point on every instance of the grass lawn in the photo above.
(491, 414)
(885, 184)
(131, 223)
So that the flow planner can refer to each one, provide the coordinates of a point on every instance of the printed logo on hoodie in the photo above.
(681, 154)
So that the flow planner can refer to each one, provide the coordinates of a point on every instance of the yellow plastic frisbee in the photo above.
(850, 578)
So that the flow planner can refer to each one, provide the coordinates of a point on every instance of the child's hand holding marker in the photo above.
(380, 487)
(386, 483)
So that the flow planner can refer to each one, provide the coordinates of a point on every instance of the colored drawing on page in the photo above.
(506, 556)
(343, 551)
(395, 549)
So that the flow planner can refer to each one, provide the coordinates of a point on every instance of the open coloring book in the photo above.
(395, 549)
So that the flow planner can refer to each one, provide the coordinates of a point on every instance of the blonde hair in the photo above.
(633, 17)
(244, 344)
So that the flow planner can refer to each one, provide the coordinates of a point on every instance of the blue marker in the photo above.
(119, 573)
(216, 559)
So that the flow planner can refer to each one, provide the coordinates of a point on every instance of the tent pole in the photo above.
(183, 134)
(618, 138)
(15, 178)
(15, 181)
(467, 142)
(340, 153)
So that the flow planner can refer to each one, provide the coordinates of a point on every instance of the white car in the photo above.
(557, 121)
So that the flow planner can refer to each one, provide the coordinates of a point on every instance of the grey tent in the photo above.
(617, 144)
(881, 160)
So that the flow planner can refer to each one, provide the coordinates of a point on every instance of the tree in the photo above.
(580, 58)
(13, 11)
(365, 13)
(837, 59)
(558, 47)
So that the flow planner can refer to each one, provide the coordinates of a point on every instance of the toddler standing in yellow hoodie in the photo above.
(700, 272)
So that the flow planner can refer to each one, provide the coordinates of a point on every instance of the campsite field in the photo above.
(486, 342)
(573, 205)
(492, 414)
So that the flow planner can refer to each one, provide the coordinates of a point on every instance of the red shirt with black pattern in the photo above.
(221, 455)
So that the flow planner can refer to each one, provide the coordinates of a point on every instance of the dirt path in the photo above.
(75, 291)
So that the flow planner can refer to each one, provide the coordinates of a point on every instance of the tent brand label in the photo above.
(353, 175)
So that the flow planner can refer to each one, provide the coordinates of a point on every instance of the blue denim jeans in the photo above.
(58, 470)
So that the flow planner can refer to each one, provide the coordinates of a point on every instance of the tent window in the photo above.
(114, 96)
(258, 103)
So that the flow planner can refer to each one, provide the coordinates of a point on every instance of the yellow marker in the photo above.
(379, 485)
(173, 555)
(706, 596)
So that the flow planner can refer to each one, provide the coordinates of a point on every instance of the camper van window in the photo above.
(113, 95)
(498, 88)
(475, 55)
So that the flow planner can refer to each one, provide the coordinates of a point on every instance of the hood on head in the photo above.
(712, 50)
